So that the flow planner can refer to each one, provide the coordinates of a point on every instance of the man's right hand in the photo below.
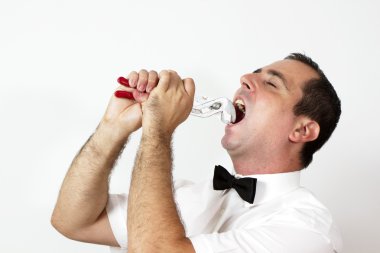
(124, 116)
(80, 212)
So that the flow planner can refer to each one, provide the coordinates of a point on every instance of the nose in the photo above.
(248, 81)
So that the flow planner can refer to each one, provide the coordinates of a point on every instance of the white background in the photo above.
(59, 61)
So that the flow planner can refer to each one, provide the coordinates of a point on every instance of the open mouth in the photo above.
(240, 110)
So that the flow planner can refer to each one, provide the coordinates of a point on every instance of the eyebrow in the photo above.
(274, 73)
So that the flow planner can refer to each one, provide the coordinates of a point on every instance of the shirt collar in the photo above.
(270, 186)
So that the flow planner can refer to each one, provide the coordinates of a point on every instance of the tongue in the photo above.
(239, 114)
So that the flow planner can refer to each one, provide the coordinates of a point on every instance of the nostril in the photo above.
(246, 85)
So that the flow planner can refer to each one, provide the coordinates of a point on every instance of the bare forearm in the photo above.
(151, 207)
(84, 192)
(153, 221)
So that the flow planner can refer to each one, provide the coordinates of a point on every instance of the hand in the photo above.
(169, 104)
(124, 114)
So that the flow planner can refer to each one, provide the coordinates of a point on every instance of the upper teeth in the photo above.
(240, 105)
(239, 101)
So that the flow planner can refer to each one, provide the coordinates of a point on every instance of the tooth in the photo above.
(241, 107)
(239, 101)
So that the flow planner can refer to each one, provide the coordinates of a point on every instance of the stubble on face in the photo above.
(265, 130)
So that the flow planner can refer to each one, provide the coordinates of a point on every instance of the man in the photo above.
(287, 110)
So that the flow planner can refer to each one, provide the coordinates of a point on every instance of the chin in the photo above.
(224, 142)
(228, 143)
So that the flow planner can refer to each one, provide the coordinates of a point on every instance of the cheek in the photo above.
(272, 108)
(273, 117)
(267, 110)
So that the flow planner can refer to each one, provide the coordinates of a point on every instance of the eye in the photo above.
(270, 83)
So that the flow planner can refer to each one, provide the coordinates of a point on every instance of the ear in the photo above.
(305, 130)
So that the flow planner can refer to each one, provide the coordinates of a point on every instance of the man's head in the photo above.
(319, 102)
(291, 110)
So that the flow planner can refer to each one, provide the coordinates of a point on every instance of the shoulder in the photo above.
(304, 199)
(302, 209)
(299, 208)
(302, 205)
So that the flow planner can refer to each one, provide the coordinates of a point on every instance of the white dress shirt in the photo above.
(283, 218)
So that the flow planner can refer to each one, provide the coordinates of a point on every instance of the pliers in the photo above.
(205, 107)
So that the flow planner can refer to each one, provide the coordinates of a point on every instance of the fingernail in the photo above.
(123, 94)
(123, 81)
(132, 82)
(141, 88)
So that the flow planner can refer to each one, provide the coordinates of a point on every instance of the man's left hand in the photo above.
(168, 105)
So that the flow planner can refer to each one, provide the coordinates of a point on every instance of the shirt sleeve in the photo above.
(263, 239)
(117, 216)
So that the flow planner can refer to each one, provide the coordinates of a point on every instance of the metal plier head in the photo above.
(205, 107)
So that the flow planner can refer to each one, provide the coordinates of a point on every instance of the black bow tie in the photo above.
(245, 187)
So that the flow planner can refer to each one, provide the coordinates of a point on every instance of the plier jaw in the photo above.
(205, 107)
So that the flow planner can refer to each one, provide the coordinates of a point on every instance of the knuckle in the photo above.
(173, 73)
(153, 72)
(143, 80)
(152, 76)
(152, 80)
(164, 73)
(132, 74)
(143, 74)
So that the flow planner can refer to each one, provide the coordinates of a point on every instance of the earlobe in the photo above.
(305, 131)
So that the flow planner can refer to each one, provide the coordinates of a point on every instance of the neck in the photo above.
(252, 164)
(244, 169)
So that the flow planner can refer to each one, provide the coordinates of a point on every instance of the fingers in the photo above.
(143, 81)
(138, 80)
(189, 86)
(140, 96)
(169, 79)
(164, 77)
(133, 77)
(138, 85)
(169, 104)
(152, 81)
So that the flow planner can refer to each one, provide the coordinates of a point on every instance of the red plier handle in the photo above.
(122, 93)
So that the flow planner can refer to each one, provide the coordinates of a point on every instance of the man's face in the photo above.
(269, 95)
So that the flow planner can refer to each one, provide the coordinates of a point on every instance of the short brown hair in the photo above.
(320, 103)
